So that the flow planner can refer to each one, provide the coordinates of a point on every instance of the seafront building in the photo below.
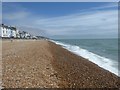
(25, 35)
(8, 32)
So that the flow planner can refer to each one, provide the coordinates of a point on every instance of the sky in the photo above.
(63, 20)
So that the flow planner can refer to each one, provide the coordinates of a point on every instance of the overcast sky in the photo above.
(64, 20)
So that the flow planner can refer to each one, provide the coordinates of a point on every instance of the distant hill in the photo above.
(42, 37)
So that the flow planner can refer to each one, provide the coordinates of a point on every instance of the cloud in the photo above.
(93, 22)
(104, 21)
(34, 31)
(16, 15)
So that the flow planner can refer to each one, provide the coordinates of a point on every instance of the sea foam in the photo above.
(108, 64)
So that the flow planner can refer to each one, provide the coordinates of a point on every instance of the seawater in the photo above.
(103, 52)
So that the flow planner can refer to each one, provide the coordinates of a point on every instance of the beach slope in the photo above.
(43, 64)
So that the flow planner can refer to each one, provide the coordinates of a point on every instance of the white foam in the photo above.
(108, 64)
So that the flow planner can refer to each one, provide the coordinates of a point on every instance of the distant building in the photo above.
(34, 37)
(13, 32)
(25, 35)
(17, 34)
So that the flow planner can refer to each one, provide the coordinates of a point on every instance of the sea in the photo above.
(103, 52)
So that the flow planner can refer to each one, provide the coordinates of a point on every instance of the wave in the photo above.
(108, 64)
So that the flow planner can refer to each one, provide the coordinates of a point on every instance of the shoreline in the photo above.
(85, 58)
(101, 61)
(51, 66)
(74, 65)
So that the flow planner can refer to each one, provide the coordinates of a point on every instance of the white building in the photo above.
(8, 32)
(25, 35)
(17, 33)
(4, 31)
(13, 32)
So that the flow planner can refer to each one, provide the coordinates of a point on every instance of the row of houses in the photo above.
(13, 32)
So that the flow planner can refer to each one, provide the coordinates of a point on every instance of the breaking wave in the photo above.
(103, 62)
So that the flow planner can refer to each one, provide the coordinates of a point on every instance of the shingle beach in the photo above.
(43, 64)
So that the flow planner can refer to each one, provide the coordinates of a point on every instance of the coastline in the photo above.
(100, 55)
(43, 64)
